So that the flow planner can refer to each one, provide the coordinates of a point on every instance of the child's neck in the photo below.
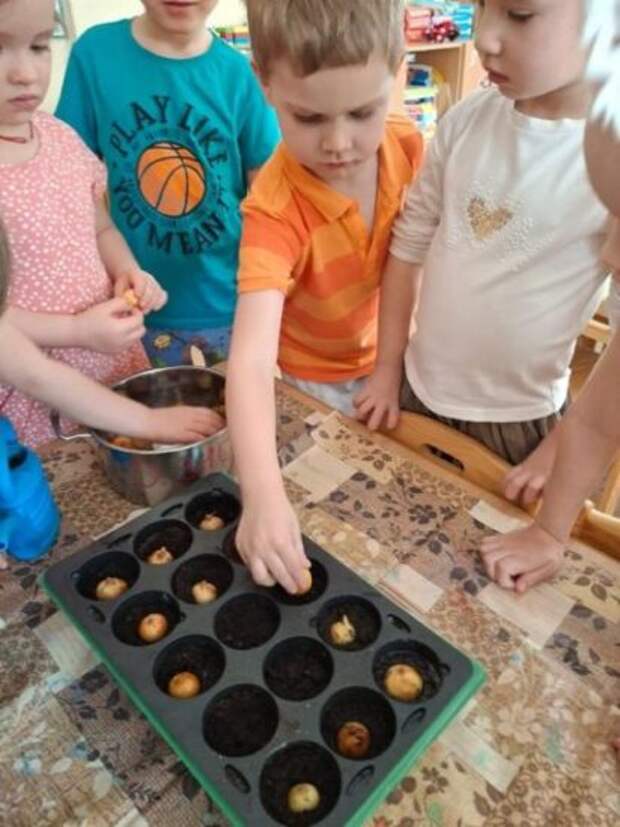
(17, 152)
(170, 44)
(362, 188)
(571, 102)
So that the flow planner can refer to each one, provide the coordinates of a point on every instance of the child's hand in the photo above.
(181, 424)
(610, 253)
(150, 296)
(110, 327)
(379, 398)
(523, 558)
(526, 482)
(269, 541)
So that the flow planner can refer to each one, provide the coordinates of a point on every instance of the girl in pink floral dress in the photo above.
(71, 267)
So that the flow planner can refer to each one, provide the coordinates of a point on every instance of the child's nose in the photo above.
(336, 139)
(488, 37)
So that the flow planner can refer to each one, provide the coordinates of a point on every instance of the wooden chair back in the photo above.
(467, 458)
(452, 450)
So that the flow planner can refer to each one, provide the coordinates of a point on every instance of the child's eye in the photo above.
(362, 114)
(520, 17)
(309, 119)
(40, 47)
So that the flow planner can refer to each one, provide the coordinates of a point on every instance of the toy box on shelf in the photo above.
(426, 96)
(438, 21)
(433, 40)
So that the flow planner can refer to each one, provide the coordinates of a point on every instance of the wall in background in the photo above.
(87, 13)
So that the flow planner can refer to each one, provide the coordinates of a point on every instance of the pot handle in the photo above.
(55, 421)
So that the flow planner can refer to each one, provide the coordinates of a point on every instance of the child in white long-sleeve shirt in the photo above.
(509, 233)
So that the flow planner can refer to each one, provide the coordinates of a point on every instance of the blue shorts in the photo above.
(167, 348)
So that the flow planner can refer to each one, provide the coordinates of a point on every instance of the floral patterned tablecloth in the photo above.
(530, 749)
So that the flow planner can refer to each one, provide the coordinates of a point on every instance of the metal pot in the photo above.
(148, 477)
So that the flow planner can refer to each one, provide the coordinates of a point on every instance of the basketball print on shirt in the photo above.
(171, 179)
(172, 189)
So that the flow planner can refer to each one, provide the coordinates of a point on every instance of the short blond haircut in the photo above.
(325, 34)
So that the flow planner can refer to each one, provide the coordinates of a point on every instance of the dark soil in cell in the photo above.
(298, 669)
(241, 721)
(247, 621)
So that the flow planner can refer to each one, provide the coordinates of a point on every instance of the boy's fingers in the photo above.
(301, 559)
(393, 417)
(514, 483)
(282, 574)
(376, 418)
(505, 571)
(121, 285)
(533, 489)
(260, 574)
(490, 543)
(488, 560)
(131, 323)
(365, 407)
(492, 561)
(160, 300)
(531, 578)
(136, 334)
(117, 305)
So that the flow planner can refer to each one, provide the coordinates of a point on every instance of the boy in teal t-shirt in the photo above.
(181, 123)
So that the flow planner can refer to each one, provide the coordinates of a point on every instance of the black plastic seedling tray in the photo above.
(274, 689)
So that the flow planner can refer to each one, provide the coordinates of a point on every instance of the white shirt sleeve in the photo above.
(414, 229)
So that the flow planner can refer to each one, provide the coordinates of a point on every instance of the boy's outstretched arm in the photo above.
(378, 401)
(268, 538)
(589, 439)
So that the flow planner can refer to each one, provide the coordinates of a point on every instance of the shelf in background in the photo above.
(433, 47)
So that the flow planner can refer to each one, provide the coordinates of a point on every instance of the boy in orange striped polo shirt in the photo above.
(316, 232)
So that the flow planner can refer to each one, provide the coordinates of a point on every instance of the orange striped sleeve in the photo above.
(270, 249)
(409, 138)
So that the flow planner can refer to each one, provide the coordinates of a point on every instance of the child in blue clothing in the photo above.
(182, 125)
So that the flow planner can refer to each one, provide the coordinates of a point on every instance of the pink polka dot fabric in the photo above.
(48, 207)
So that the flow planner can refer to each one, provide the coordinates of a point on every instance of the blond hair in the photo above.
(5, 266)
(325, 34)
